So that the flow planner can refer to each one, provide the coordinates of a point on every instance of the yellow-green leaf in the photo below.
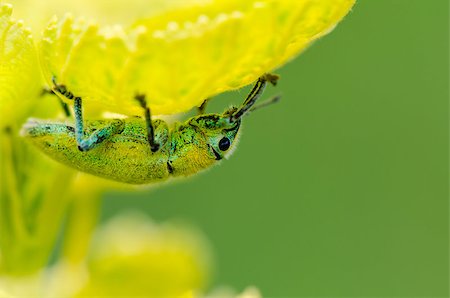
(19, 72)
(183, 55)
(133, 257)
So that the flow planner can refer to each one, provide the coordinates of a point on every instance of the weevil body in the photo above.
(137, 152)
(126, 156)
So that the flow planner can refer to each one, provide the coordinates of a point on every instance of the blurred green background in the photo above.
(342, 188)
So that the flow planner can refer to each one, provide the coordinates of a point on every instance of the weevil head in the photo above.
(220, 131)
(202, 141)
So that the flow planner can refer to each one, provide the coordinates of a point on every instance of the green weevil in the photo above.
(134, 151)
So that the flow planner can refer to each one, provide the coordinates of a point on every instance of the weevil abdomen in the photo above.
(125, 156)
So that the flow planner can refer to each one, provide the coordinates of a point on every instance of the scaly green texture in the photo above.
(185, 149)
(131, 152)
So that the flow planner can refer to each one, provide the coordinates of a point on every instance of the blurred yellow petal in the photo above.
(19, 73)
(188, 294)
(227, 292)
(32, 200)
(184, 55)
(250, 292)
(37, 13)
(4, 295)
(20, 286)
(133, 257)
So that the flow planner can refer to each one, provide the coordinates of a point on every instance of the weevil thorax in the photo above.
(202, 141)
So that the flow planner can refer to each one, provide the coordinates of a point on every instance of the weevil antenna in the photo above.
(266, 103)
(254, 95)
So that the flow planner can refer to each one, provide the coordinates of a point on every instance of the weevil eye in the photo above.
(224, 144)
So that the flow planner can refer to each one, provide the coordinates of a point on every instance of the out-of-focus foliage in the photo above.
(184, 55)
(178, 53)
(19, 72)
(133, 257)
(32, 199)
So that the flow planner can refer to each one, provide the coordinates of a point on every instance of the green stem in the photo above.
(12, 200)
(81, 222)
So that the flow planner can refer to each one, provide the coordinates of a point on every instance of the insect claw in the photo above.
(61, 89)
(45, 91)
(154, 147)
(140, 97)
(202, 108)
(271, 78)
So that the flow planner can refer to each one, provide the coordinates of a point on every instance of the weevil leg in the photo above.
(61, 89)
(202, 108)
(97, 137)
(89, 142)
(254, 95)
(148, 121)
(46, 90)
(64, 106)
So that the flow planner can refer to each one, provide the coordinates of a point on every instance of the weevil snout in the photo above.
(219, 132)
